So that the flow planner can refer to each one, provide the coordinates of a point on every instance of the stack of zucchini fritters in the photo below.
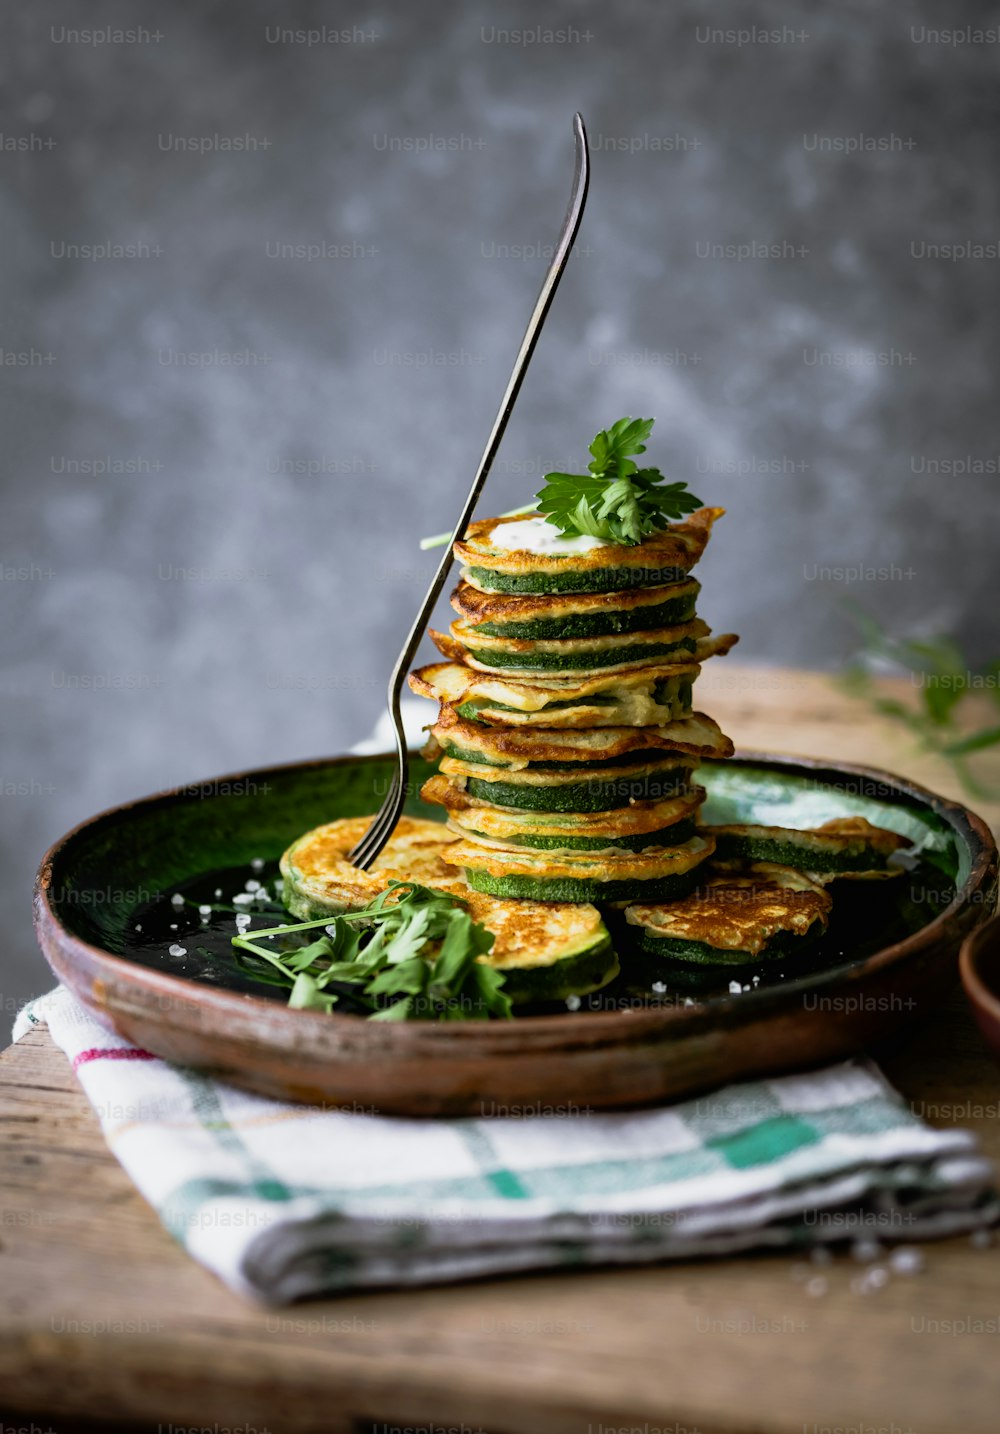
(569, 750)
(569, 744)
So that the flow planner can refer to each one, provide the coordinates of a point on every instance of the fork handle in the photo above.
(571, 223)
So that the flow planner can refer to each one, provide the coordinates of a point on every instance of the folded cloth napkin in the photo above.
(286, 1201)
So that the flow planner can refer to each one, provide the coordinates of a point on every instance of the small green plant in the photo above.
(944, 678)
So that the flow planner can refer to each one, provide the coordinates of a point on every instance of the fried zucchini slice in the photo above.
(575, 614)
(656, 873)
(845, 847)
(642, 697)
(663, 558)
(591, 787)
(546, 951)
(583, 654)
(734, 920)
(666, 823)
(514, 749)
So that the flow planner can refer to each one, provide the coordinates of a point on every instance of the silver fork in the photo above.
(385, 819)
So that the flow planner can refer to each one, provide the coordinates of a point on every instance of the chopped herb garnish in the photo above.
(615, 499)
(411, 953)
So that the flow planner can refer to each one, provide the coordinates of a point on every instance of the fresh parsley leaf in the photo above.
(615, 499)
(412, 952)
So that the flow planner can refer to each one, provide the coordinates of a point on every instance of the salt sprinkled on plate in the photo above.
(735, 989)
(176, 950)
(865, 1252)
(659, 987)
(906, 1260)
(138, 927)
(177, 900)
(204, 912)
(243, 898)
(251, 885)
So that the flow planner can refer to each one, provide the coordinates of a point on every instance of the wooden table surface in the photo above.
(104, 1319)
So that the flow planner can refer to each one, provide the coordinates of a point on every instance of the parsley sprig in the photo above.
(943, 678)
(615, 498)
(410, 953)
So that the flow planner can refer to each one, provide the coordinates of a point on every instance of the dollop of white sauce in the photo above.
(536, 535)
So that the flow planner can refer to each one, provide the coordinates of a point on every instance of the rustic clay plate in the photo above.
(658, 1032)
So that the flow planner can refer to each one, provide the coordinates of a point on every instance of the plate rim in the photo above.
(51, 932)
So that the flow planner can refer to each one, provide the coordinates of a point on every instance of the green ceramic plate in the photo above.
(654, 1034)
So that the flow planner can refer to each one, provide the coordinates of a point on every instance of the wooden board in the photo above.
(104, 1318)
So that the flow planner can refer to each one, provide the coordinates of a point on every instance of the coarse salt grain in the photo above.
(218, 893)
(257, 864)
(204, 912)
(177, 900)
(176, 950)
(865, 1251)
(572, 1003)
(659, 987)
(735, 989)
(243, 898)
(906, 1260)
(817, 1286)
(251, 885)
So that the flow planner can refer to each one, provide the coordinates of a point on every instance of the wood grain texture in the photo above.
(722, 1347)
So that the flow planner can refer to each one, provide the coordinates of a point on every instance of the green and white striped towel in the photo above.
(286, 1201)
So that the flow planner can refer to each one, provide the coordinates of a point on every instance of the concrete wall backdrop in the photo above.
(210, 561)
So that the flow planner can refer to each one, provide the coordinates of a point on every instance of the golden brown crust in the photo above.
(837, 835)
(698, 735)
(736, 913)
(451, 645)
(477, 606)
(679, 545)
(413, 852)
(646, 865)
(454, 682)
(695, 628)
(637, 817)
(656, 765)
(523, 929)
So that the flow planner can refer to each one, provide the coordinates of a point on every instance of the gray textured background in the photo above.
(236, 594)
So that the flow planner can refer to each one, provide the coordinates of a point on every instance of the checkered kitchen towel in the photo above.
(286, 1201)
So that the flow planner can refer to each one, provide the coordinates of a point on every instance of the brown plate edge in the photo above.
(89, 970)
